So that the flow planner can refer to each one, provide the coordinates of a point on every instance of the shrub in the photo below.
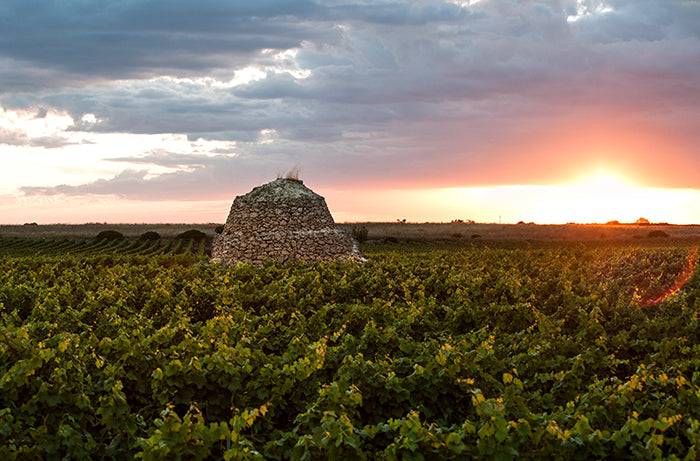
(109, 235)
(219, 229)
(192, 234)
(657, 234)
(292, 174)
(150, 235)
(360, 233)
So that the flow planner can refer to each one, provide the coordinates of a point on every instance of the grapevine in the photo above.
(427, 351)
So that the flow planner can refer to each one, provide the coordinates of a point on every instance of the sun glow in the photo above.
(610, 182)
(602, 197)
(606, 197)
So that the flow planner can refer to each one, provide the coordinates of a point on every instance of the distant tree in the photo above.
(614, 222)
(150, 235)
(643, 222)
(192, 234)
(360, 233)
(109, 235)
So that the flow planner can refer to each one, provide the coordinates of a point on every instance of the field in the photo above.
(530, 232)
(379, 231)
(458, 348)
(88, 231)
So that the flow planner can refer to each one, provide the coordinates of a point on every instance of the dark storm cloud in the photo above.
(98, 40)
(108, 40)
(385, 86)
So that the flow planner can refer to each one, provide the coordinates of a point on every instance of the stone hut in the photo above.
(282, 220)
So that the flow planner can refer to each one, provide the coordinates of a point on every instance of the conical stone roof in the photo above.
(285, 221)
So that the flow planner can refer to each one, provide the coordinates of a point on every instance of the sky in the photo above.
(546, 111)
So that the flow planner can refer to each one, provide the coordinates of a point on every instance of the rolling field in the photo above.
(18, 246)
(379, 231)
(431, 350)
(91, 230)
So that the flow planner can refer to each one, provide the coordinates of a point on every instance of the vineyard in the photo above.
(18, 246)
(126, 349)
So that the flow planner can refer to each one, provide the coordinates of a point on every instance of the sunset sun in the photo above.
(602, 197)
(610, 196)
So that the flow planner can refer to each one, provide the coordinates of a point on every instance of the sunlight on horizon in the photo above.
(596, 199)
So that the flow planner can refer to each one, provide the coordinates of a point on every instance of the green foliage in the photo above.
(192, 234)
(109, 235)
(20, 247)
(360, 233)
(150, 235)
(423, 352)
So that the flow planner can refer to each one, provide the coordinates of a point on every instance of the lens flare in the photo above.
(681, 280)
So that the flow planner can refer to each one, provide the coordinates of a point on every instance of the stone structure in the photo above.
(282, 220)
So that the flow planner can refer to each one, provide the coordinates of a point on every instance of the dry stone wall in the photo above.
(285, 221)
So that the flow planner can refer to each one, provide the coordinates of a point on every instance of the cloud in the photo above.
(21, 139)
(102, 41)
(354, 90)
(34, 129)
(173, 159)
(127, 178)
(137, 185)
